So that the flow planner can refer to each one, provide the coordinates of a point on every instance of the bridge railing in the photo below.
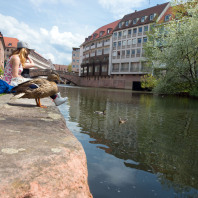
(45, 72)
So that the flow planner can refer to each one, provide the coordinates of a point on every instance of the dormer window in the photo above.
(151, 17)
(109, 30)
(142, 19)
(134, 21)
(94, 36)
(9, 44)
(120, 25)
(101, 33)
(167, 17)
(126, 23)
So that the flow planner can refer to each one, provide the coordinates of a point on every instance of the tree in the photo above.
(148, 81)
(69, 68)
(174, 47)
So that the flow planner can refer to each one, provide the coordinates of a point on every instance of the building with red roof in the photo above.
(127, 55)
(94, 52)
(11, 45)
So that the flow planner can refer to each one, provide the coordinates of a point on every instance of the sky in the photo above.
(53, 27)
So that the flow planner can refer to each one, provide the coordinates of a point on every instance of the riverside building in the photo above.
(95, 52)
(114, 55)
(127, 55)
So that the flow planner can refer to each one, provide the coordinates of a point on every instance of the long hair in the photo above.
(23, 54)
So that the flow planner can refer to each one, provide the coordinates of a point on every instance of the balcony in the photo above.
(99, 44)
(106, 43)
(98, 53)
(92, 54)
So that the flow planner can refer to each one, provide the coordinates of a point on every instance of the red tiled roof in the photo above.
(9, 40)
(158, 9)
(170, 11)
(103, 29)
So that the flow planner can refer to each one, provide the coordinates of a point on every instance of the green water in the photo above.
(153, 154)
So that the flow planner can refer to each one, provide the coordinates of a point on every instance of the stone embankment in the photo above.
(39, 156)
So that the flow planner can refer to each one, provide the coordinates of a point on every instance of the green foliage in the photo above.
(148, 81)
(1, 71)
(69, 68)
(194, 91)
(173, 47)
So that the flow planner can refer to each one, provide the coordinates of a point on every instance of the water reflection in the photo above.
(158, 145)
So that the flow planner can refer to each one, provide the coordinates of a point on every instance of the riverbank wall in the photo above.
(39, 156)
(114, 81)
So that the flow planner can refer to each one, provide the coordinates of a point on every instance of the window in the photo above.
(120, 25)
(108, 30)
(145, 39)
(123, 43)
(124, 32)
(139, 40)
(133, 52)
(114, 53)
(134, 21)
(115, 34)
(114, 44)
(74, 54)
(115, 67)
(73, 60)
(119, 34)
(143, 19)
(167, 17)
(134, 30)
(77, 61)
(140, 29)
(126, 23)
(9, 44)
(119, 43)
(138, 51)
(73, 66)
(101, 33)
(151, 17)
(134, 41)
(128, 52)
(129, 32)
(123, 53)
(146, 28)
(129, 42)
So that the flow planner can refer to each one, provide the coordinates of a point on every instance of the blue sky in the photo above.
(53, 27)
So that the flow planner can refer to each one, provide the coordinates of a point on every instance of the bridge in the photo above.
(67, 77)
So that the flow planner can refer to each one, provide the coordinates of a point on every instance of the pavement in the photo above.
(39, 156)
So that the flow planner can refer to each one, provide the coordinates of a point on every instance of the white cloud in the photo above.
(38, 3)
(121, 7)
(52, 44)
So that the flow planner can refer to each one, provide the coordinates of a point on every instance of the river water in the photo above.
(153, 154)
